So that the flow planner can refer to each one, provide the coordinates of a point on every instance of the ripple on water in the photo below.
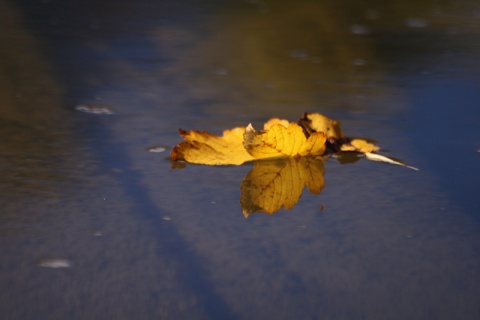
(359, 29)
(157, 149)
(94, 108)
(54, 263)
(416, 23)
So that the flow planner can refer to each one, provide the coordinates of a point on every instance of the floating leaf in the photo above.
(276, 183)
(292, 155)
(315, 134)
(280, 141)
(240, 145)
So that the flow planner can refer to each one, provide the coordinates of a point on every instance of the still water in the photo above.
(95, 225)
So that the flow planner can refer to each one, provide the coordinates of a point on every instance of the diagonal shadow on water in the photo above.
(190, 273)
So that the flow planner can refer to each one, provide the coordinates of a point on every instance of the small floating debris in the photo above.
(371, 14)
(379, 157)
(359, 29)
(55, 263)
(298, 54)
(94, 108)
(359, 62)
(222, 72)
(416, 23)
(157, 149)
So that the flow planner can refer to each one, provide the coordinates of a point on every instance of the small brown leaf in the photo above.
(359, 145)
(316, 122)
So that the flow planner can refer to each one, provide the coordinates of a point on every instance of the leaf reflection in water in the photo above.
(276, 183)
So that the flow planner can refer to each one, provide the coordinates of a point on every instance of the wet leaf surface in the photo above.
(205, 148)
(280, 141)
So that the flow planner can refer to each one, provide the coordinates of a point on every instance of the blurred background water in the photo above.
(95, 226)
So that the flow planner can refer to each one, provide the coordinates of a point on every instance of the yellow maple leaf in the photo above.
(276, 183)
(280, 141)
(239, 145)
(201, 147)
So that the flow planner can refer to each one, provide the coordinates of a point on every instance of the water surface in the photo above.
(94, 225)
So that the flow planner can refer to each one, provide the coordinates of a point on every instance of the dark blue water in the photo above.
(93, 225)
